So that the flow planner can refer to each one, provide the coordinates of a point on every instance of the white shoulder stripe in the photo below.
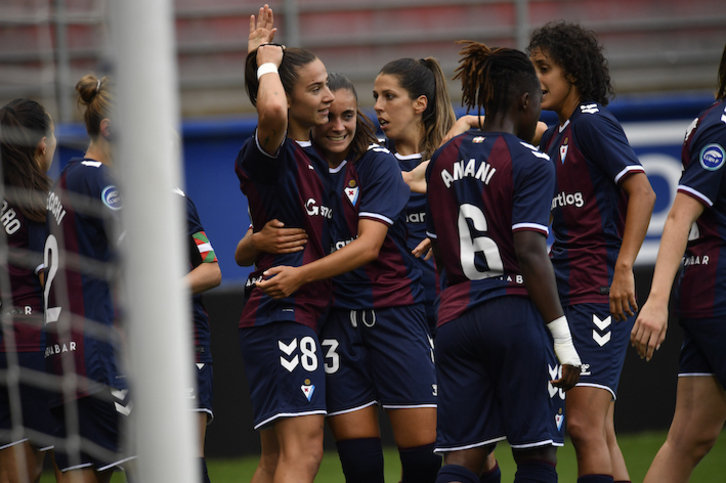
(377, 216)
(695, 193)
(431, 235)
(531, 226)
(92, 164)
(628, 170)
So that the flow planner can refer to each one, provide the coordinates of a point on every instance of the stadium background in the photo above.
(663, 56)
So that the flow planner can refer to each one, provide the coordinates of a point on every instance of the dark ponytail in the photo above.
(292, 60)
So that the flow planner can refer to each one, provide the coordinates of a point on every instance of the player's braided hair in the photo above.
(424, 77)
(97, 96)
(721, 94)
(293, 58)
(578, 52)
(365, 132)
(23, 124)
(492, 77)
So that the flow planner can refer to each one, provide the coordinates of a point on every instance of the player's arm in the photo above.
(273, 238)
(641, 200)
(650, 327)
(204, 277)
(283, 281)
(416, 178)
(261, 30)
(539, 278)
(271, 102)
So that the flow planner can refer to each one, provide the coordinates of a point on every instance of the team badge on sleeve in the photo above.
(712, 157)
(351, 191)
(111, 198)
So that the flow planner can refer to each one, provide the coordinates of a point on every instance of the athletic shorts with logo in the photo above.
(201, 394)
(493, 367)
(378, 356)
(284, 370)
(102, 418)
(33, 403)
(702, 352)
(601, 343)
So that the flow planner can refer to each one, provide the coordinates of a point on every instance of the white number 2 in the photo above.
(482, 247)
(50, 260)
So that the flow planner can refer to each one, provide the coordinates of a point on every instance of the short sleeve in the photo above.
(534, 184)
(384, 193)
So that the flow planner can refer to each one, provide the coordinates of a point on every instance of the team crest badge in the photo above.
(478, 139)
(111, 198)
(308, 389)
(351, 191)
(563, 152)
(712, 157)
(559, 419)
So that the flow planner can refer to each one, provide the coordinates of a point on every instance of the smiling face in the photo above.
(559, 93)
(310, 98)
(400, 116)
(335, 137)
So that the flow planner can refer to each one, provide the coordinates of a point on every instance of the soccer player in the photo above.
(488, 204)
(81, 312)
(415, 113)
(601, 210)
(696, 225)
(278, 337)
(27, 145)
(204, 274)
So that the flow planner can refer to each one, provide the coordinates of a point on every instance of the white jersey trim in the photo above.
(562, 127)
(531, 226)
(117, 463)
(290, 415)
(468, 446)
(696, 374)
(337, 169)
(345, 411)
(406, 157)
(13, 443)
(39, 268)
(599, 386)
(431, 235)
(628, 170)
(406, 406)
(705, 199)
(377, 216)
(549, 442)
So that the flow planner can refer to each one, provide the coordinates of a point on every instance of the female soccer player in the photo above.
(27, 144)
(601, 210)
(488, 206)
(80, 312)
(415, 113)
(278, 338)
(696, 225)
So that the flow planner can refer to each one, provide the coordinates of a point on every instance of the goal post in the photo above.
(158, 305)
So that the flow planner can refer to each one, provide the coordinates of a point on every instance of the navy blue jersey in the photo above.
(372, 188)
(200, 251)
(292, 187)
(80, 256)
(416, 224)
(592, 157)
(701, 291)
(22, 313)
(483, 187)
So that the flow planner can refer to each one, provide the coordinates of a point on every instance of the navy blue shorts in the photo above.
(34, 407)
(284, 370)
(202, 392)
(100, 421)
(493, 367)
(702, 352)
(378, 356)
(601, 342)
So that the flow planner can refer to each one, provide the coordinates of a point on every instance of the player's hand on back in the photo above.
(276, 239)
(281, 281)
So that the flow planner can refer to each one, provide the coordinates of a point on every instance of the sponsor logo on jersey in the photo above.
(712, 157)
(585, 370)
(416, 217)
(111, 197)
(313, 209)
(696, 260)
(10, 220)
(340, 244)
(589, 108)
(308, 389)
(568, 199)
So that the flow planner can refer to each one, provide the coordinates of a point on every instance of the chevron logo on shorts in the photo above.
(122, 404)
(602, 325)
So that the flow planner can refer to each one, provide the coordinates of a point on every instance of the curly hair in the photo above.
(491, 78)
(578, 52)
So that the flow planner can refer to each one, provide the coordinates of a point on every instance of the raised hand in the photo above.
(261, 30)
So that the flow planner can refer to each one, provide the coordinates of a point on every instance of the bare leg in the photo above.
(620, 470)
(587, 410)
(20, 463)
(301, 448)
(413, 427)
(362, 423)
(265, 472)
(698, 420)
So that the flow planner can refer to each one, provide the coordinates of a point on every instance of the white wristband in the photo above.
(266, 68)
(564, 348)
